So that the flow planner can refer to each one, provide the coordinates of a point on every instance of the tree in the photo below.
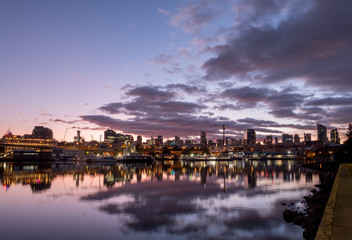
(348, 143)
(349, 132)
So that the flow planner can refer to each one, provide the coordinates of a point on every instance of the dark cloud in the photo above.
(331, 101)
(247, 94)
(112, 108)
(281, 103)
(187, 88)
(150, 93)
(281, 42)
(63, 121)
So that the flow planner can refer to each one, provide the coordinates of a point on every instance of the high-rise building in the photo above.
(249, 137)
(109, 135)
(78, 138)
(287, 138)
(178, 141)
(159, 141)
(139, 140)
(322, 133)
(40, 132)
(296, 139)
(223, 134)
(203, 138)
(269, 139)
(334, 136)
(307, 137)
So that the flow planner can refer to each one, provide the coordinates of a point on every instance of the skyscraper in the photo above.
(139, 140)
(296, 139)
(249, 137)
(322, 133)
(159, 141)
(307, 137)
(286, 138)
(334, 136)
(203, 138)
(223, 134)
(269, 139)
(109, 135)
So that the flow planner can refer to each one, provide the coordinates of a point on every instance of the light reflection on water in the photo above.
(170, 200)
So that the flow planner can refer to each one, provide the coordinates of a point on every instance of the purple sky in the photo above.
(175, 67)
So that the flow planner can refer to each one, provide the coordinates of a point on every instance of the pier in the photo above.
(337, 219)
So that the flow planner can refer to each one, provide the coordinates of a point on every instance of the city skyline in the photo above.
(175, 68)
(249, 137)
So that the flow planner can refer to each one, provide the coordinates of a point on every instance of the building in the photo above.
(307, 137)
(269, 139)
(178, 142)
(334, 136)
(10, 143)
(139, 140)
(322, 133)
(249, 137)
(40, 132)
(159, 141)
(203, 138)
(296, 139)
(287, 138)
(109, 136)
(78, 138)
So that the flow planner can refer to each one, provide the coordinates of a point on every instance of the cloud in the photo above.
(187, 88)
(331, 101)
(312, 45)
(162, 59)
(63, 121)
(163, 11)
(192, 18)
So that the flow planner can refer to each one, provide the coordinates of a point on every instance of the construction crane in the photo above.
(65, 135)
(92, 137)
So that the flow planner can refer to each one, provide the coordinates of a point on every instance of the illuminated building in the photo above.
(249, 137)
(322, 133)
(286, 138)
(223, 134)
(307, 137)
(269, 139)
(178, 141)
(109, 136)
(159, 141)
(203, 138)
(77, 138)
(12, 142)
(334, 136)
(139, 140)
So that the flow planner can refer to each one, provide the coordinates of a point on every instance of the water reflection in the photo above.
(174, 200)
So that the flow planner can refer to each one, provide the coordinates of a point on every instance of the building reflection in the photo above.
(227, 173)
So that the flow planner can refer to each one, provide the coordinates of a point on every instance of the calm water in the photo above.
(171, 200)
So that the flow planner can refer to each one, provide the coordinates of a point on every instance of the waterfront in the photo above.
(173, 200)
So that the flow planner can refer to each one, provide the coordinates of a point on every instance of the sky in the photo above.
(175, 67)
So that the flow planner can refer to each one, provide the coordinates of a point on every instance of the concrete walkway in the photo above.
(337, 219)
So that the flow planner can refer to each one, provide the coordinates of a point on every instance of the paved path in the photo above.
(337, 219)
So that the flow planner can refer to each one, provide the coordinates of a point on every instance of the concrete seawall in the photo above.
(337, 219)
